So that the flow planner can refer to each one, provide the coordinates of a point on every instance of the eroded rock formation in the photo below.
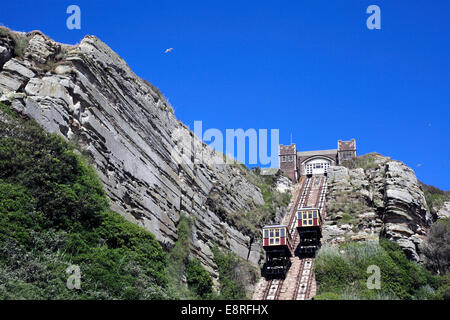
(89, 94)
(384, 199)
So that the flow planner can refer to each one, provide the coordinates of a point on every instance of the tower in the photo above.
(346, 150)
(288, 161)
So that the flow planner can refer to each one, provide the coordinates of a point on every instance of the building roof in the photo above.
(274, 226)
(269, 171)
(317, 153)
(286, 150)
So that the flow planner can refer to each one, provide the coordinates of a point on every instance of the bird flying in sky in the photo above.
(168, 50)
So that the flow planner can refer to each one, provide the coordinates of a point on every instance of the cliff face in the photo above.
(88, 94)
(381, 198)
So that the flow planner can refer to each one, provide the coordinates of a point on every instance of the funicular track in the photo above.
(273, 289)
(299, 283)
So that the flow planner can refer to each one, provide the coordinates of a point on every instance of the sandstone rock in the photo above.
(444, 212)
(386, 200)
(48, 87)
(152, 166)
(284, 184)
(338, 174)
(18, 67)
(40, 49)
(63, 69)
(5, 54)
(409, 247)
(6, 49)
(8, 83)
(11, 96)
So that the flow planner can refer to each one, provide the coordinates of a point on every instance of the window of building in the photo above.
(347, 155)
(283, 159)
(291, 158)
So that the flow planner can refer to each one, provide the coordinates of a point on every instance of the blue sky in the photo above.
(308, 68)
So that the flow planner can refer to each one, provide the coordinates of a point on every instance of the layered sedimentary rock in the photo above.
(152, 166)
(444, 212)
(384, 199)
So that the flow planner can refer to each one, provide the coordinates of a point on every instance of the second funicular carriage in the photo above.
(309, 227)
(277, 245)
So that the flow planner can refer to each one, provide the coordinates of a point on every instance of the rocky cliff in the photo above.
(154, 168)
(88, 94)
(375, 197)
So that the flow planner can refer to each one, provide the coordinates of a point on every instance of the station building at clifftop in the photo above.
(296, 163)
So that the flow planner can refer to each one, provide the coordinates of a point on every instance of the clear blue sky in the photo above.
(310, 68)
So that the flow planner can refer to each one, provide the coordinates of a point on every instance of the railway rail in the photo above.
(311, 192)
(273, 289)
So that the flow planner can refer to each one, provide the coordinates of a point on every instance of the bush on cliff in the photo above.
(434, 197)
(341, 272)
(251, 222)
(54, 213)
(198, 279)
(437, 247)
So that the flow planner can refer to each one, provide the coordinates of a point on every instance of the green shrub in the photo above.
(17, 215)
(343, 271)
(367, 161)
(54, 213)
(198, 279)
(332, 270)
(434, 197)
(231, 288)
(327, 296)
(20, 41)
(251, 222)
(179, 254)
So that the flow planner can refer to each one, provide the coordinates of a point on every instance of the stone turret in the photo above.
(288, 161)
(346, 150)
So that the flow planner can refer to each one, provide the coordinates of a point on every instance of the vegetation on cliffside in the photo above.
(435, 197)
(342, 273)
(251, 222)
(235, 275)
(366, 161)
(437, 248)
(55, 214)
(199, 281)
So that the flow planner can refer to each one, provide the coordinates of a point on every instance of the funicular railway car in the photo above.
(309, 227)
(277, 245)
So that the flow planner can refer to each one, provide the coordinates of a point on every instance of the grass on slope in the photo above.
(435, 197)
(251, 222)
(341, 273)
(54, 213)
